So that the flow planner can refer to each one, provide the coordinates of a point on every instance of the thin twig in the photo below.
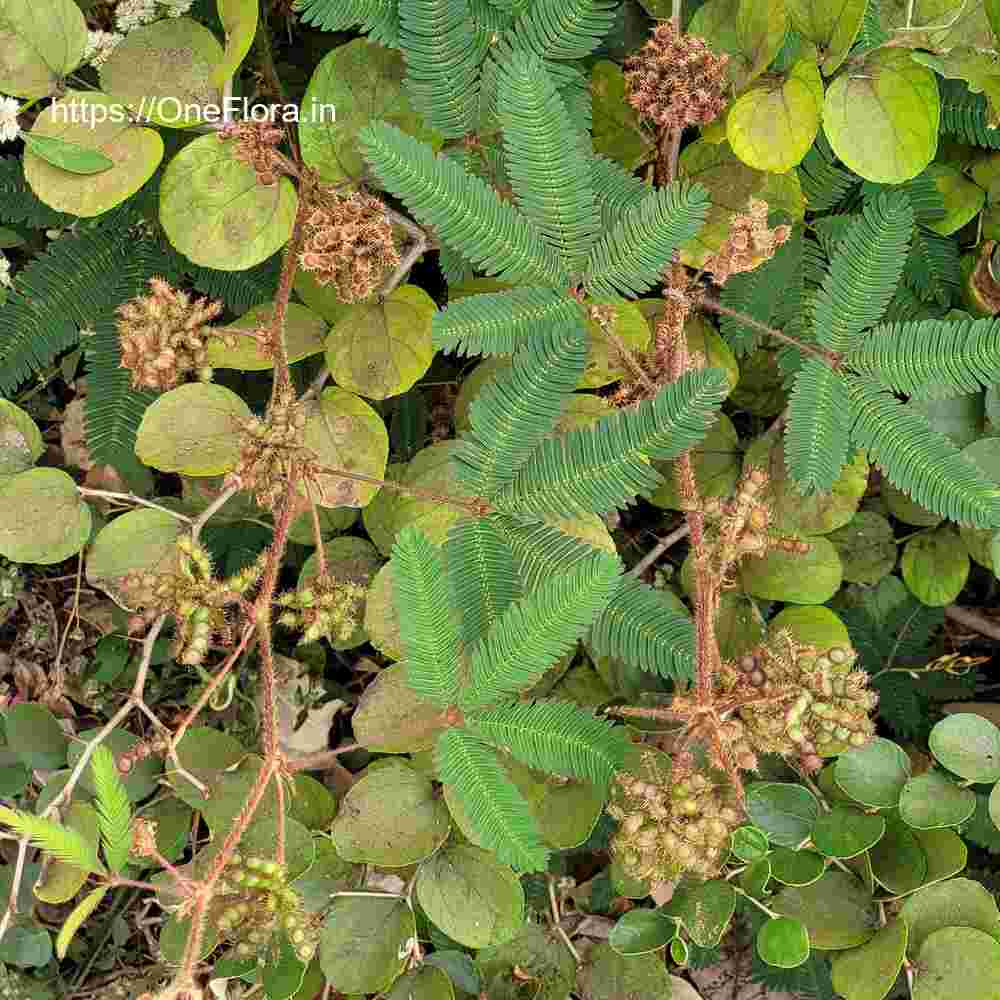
(131, 498)
(322, 760)
(974, 620)
(667, 542)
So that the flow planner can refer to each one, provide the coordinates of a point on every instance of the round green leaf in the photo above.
(749, 843)
(535, 954)
(629, 326)
(968, 745)
(785, 812)
(932, 800)
(866, 546)
(239, 21)
(750, 31)
(898, 861)
(905, 510)
(869, 972)
(813, 625)
(753, 880)
(958, 902)
(379, 349)
(345, 433)
(363, 81)
(381, 620)
(881, 117)
(875, 774)
(809, 578)
(717, 462)
(845, 833)
(217, 214)
(328, 874)
(958, 961)
(773, 124)
(20, 440)
(831, 25)
(364, 941)
(680, 954)
(994, 805)
(304, 334)
(312, 804)
(332, 521)
(194, 429)
(837, 910)
(41, 41)
(141, 539)
(469, 895)
(783, 942)
(962, 199)
(34, 735)
(390, 718)
(608, 975)
(424, 983)
(390, 817)
(641, 931)
(936, 566)
(739, 625)
(945, 852)
(705, 910)
(163, 72)
(790, 867)
(44, 520)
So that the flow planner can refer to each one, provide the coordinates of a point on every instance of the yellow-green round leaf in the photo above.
(958, 961)
(732, 183)
(869, 972)
(750, 31)
(773, 125)
(41, 41)
(163, 71)
(809, 578)
(304, 335)
(874, 775)
(832, 25)
(362, 81)
(968, 745)
(142, 539)
(391, 718)
(216, 213)
(62, 879)
(629, 326)
(906, 510)
(845, 833)
(962, 199)
(813, 625)
(44, 520)
(381, 620)
(423, 983)
(93, 121)
(958, 902)
(380, 349)
(321, 299)
(881, 117)
(936, 566)
(783, 942)
(20, 440)
(345, 433)
(867, 547)
(194, 429)
(717, 462)
(239, 21)
(472, 897)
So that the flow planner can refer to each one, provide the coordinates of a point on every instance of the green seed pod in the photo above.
(842, 733)
(838, 655)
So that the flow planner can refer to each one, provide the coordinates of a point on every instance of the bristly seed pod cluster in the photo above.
(164, 336)
(678, 822)
(348, 243)
(193, 596)
(676, 80)
(749, 244)
(254, 902)
(324, 606)
(256, 146)
(802, 701)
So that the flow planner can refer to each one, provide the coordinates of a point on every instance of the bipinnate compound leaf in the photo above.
(831, 25)
(163, 72)
(44, 519)
(837, 909)
(798, 578)
(194, 429)
(392, 718)
(704, 909)
(783, 942)
(346, 434)
(363, 944)
(958, 961)
(215, 211)
(869, 972)
(932, 800)
(936, 566)
(20, 440)
(608, 975)
(773, 125)
(968, 745)
(41, 41)
(785, 812)
(239, 21)
(642, 931)
(94, 122)
(141, 539)
(875, 774)
(379, 349)
(353, 85)
(958, 902)
(845, 833)
(881, 117)
(305, 331)
(423, 983)
(470, 896)
(391, 817)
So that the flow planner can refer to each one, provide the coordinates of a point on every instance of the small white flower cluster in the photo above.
(4, 270)
(130, 14)
(100, 45)
(9, 129)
